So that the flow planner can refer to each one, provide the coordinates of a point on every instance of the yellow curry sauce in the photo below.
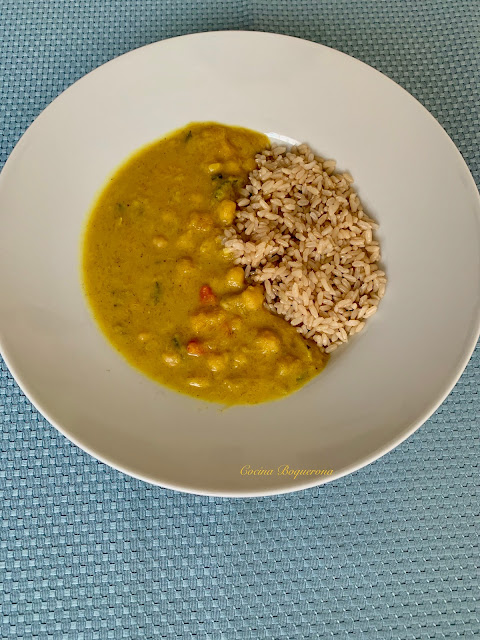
(167, 294)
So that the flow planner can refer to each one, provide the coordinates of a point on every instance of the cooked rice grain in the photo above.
(301, 231)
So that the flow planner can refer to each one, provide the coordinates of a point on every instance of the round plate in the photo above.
(372, 395)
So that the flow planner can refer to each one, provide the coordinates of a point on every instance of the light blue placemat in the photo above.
(389, 552)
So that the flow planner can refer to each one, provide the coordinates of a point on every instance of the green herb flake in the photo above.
(157, 292)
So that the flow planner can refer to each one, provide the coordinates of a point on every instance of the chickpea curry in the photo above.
(164, 290)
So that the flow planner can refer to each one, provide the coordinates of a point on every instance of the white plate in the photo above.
(373, 394)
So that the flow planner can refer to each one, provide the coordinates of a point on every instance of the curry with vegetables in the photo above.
(164, 290)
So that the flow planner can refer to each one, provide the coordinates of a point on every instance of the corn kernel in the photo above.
(226, 211)
(214, 168)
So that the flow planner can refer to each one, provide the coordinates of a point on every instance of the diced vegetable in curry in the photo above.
(167, 294)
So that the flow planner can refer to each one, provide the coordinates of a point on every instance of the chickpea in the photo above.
(225, 151)
(252, 298)
(288, 366)
(217, 362)
(159, 241)
(234, 386)
(185, 266)
(239, 360)
(168, 217)
(172, 359)
(197, 199)
(235, 278)
(210, 245)
(137, 206)
(227, 254)
(186, 241)
(237, 303)
(235, 323)
(229, 303)
(205, 320)
(268, 342)
(135, 307)
(249, 164)
(226, 212)
(200, 221)
(199, 322)
(232, 168)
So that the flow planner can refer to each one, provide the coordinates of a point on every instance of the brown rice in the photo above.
(301, 231)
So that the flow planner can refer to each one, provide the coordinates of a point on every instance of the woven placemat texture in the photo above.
(389, 552)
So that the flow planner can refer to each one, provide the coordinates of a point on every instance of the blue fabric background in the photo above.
(389, 552)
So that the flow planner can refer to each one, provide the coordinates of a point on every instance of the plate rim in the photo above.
(380, 451)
